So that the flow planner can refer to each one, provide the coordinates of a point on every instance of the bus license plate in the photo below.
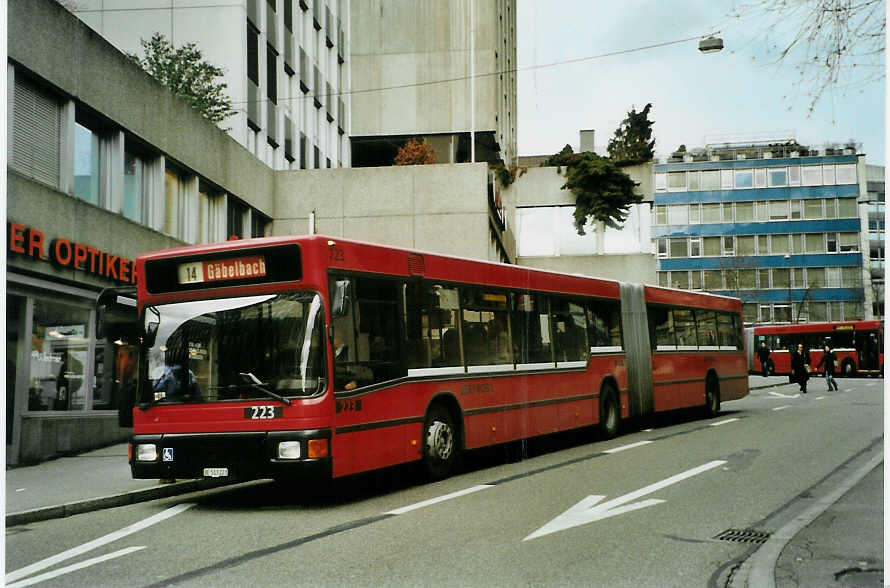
(216, 472)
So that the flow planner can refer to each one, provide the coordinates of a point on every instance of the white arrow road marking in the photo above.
(74, 567)
(779, 395)
(588, 510)
(89, 546)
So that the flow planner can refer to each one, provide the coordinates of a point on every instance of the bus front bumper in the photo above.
(240, 456)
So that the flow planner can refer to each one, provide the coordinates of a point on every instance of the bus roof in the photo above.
(360, 256)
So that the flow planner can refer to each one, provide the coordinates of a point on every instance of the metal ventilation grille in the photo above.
(416, 266)
(743, 536)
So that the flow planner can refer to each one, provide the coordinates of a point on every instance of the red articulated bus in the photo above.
(858, 345)
(321, 356)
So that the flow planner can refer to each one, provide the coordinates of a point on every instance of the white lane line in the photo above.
(872, 384)
(647, 430)
(848, 389)
(718, 423)
(74, 567)
(89, 546)
(631, 446)
(782, 407)
(819, 398)
(439, 499)
(778, 395)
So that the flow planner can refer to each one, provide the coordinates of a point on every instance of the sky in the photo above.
(735, 95)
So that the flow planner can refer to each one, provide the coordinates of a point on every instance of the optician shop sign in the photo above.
(65, 253)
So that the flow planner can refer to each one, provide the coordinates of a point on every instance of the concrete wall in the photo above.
(541, 186)
(632, 267)
(48, 436)
(440, 208)
(84, 66)
(405, 46)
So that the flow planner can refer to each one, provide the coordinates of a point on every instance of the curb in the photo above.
(72, 508)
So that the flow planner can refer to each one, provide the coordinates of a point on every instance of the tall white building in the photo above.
(444, 70)
(285, 64)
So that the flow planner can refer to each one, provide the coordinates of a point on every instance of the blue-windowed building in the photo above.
(778, 224)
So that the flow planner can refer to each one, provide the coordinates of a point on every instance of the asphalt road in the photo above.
(644, 509)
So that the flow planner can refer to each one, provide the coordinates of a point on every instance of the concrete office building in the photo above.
(777, 224)
(443, 70)
(105, 164)
(285, 64)
(876, 251)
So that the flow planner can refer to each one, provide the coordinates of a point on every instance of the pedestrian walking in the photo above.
(800, 367)
(829, 360)
(763, 355)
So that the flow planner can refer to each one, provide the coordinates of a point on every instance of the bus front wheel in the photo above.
(609, 415)
(441, 443)
(712, 396)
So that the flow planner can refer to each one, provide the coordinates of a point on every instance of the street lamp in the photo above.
(711, 44)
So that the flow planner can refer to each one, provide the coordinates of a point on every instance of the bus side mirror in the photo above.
(151, 334)
(342, 298)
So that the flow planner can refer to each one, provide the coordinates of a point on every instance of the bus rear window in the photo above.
(260, 265)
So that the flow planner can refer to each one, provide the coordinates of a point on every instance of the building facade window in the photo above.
(174, 203)
(133, 206)
(34, 143)
(86, 163)
(59, 361)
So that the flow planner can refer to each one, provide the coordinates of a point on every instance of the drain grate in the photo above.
(743, 536)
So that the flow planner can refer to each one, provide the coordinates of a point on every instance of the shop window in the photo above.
(59, 357)
(15, 340)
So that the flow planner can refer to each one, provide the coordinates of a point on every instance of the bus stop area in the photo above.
(101, 479)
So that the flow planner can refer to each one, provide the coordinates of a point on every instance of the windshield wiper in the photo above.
(256, 384)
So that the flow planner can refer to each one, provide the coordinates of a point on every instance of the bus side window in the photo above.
(431, 326)
(604, 324)
(661, 322)
(531, 328)
(570, 329)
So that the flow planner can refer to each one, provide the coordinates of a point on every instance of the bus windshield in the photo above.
(246, 348)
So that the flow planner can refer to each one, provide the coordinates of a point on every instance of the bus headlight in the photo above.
(289, 450)
(146, 452)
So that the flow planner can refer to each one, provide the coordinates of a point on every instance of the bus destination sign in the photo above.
(238, 268)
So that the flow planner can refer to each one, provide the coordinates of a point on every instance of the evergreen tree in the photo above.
(184, 71)
(631, 143)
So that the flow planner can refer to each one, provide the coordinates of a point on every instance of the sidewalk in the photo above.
(82, 483)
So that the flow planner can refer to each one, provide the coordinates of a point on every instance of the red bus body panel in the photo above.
(383, 426)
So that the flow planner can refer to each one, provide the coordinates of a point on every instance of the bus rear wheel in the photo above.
(712, 396)
(441, 443)
(609, 415)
